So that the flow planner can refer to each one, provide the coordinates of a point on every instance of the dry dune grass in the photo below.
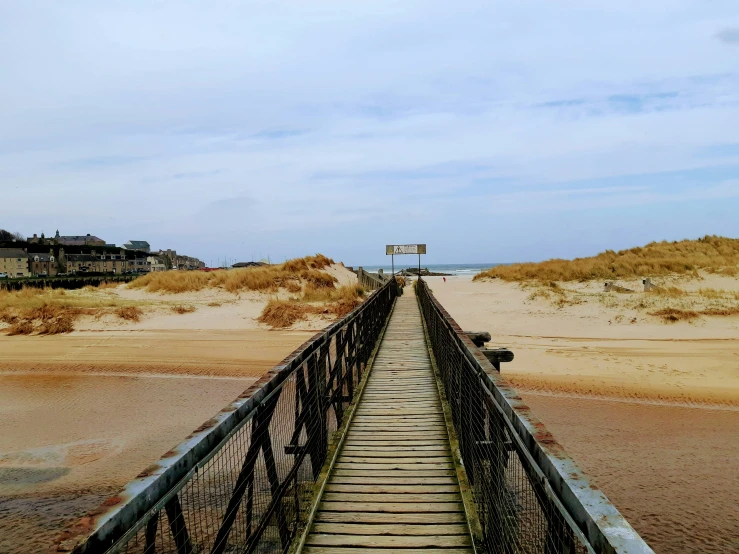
(129, 313)
(711, 253)
(673, 315)
(337, 302)
(669, 303)
(183, 309)
(315, 290)
(284, 313)
(265, 278)
(53, 311)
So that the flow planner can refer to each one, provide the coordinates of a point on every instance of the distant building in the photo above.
(180, 262)
(42, 264)
(96, 263)
(14, 262)
(140, 245)
(155, 264)
(68, 240)
(106, 261)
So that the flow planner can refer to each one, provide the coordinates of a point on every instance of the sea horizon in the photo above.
(452, 269)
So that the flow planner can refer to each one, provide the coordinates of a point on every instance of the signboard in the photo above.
(392, 249)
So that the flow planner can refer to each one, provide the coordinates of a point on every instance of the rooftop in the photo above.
(12, 253)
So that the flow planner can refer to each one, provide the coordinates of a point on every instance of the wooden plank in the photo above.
(417, 412)
(405, 378)
(416, 472)
(382, 541)
(410, 436)
(389, 498)
(371, 479)
(413, 401)
(408, 417)
(410, 443)
(397, 454)
(398, 426)
(413, 394)
(386, 408)
(396, 447)
(426, 518)
(401, 419)
(346, 459)
(402, 529)
(369, 416)
(343, 550)
(392, 489)
(397, 507)
(402, 428)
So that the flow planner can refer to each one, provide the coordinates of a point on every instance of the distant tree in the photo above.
(7, 236)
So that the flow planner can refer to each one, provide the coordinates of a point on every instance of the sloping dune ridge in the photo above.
(640, 387)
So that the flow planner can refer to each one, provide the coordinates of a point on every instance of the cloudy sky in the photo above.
(493, 131)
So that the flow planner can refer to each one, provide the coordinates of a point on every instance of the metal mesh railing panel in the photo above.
(254, 491)
(517, 508)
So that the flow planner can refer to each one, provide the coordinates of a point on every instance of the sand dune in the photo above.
(587, 349)
(649, 410)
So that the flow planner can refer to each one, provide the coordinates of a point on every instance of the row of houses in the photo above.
(18, 262)
(73, 254)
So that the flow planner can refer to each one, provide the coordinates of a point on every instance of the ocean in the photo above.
(452, 269)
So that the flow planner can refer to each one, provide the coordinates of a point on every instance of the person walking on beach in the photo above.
(444, 279)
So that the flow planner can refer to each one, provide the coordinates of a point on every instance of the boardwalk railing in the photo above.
(243, 481)
(529, 496)
(371, 280)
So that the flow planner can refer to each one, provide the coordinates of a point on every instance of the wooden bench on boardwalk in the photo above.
(394, 485)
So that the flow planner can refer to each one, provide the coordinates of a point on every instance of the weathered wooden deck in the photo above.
(394, 485)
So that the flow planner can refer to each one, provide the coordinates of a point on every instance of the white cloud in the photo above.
(329, 116)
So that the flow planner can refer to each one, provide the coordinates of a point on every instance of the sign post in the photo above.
(393, 249)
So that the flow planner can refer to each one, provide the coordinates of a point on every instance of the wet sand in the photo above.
(174, 352)
(672, 471)
(68, 441)
(82, 414)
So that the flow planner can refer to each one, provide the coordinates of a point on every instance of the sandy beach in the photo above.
(649, 410)
(83, 413)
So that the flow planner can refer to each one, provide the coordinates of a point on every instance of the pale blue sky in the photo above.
(492, 131)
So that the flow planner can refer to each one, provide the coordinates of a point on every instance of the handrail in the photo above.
(530, 496)
(244, 477)
(370, 280)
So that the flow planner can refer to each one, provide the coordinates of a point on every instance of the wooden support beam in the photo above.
(479, 338)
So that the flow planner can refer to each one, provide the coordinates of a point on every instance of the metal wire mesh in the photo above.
(518, 510)
(254, 490)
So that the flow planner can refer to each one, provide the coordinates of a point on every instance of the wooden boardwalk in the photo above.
(394, 488)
